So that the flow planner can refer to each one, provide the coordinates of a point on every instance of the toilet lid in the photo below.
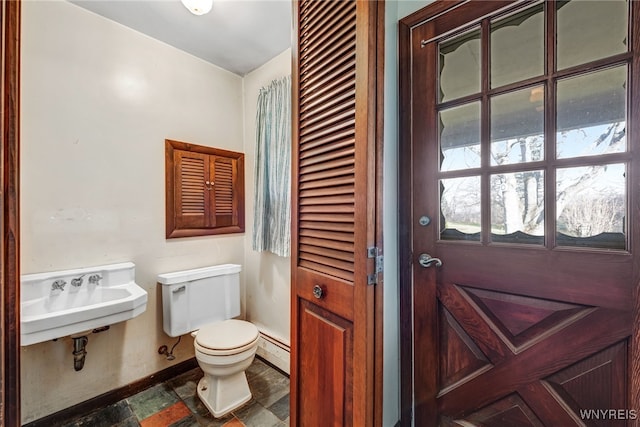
(227, 335)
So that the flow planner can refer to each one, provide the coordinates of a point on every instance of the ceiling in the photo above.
(237, 35)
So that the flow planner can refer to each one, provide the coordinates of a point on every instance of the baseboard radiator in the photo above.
(274, 351)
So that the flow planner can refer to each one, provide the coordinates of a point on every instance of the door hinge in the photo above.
(375, 253)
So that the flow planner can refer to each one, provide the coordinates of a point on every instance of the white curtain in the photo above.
(272, 208)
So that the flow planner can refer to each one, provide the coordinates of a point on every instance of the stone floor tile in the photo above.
(189, 421)
(167, 416)
(207, 420)
(256, 368)
(129, 422)
(255, 415)
(185, 385)
(281, 407)
(269, 387)
(106, 417)
(175, 404)
(195, 405)
(152, 400)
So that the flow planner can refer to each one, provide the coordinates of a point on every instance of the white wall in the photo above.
(268, 276)
(407, 7)
(391, 307)
(98, 101)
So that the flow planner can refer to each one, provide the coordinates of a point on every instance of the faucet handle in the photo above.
(95, 279)
(58, 285)
(77, 282)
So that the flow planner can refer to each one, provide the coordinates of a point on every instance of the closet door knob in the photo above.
(318, 292)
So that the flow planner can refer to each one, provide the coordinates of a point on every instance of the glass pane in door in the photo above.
(590, 30)
(592, 114)
(517, 207)
(460, 207)
(459, 66)
(460, 137)
(517, 47)
(591, 206)
(517, 127)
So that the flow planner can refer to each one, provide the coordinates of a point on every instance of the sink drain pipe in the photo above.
(79, 352)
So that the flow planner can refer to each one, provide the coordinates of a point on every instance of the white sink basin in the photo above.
(54, 305)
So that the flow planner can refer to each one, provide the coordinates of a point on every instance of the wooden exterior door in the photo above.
(522, 130)
(9, 218)
(335, 133)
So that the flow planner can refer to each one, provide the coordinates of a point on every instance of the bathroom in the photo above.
(95, 112)
(97, 102)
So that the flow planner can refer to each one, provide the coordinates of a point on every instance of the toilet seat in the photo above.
(226, 338)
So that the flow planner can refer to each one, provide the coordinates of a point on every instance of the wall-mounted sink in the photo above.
(62, 303)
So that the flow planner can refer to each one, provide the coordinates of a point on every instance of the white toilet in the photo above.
(203, 302)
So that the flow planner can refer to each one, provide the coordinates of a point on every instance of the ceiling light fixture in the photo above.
(198, 7)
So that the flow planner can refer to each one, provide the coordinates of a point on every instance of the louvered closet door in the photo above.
(333, 213)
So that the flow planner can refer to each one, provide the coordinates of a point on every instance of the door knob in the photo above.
(427, 260)
(318, 292)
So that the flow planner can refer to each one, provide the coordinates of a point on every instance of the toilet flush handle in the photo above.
(180, 289)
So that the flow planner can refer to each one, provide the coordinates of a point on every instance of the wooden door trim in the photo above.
(295, 165)
(404, 229)
(405, 27)
(9, 261)
(367, 125)
(634, 111)
(379, 291)
(405, 196)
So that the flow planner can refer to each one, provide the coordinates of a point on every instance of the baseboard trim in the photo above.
(274, 351)
(113, 396)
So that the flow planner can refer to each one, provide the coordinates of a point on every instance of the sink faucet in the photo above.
(58, 285)
(77, 282)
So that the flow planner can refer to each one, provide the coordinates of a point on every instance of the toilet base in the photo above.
(222, 395)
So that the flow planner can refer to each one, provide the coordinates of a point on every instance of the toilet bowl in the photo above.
(224, 350)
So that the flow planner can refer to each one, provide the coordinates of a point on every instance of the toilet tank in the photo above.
(193, 298)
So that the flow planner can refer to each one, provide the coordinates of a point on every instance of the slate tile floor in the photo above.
(175, 403)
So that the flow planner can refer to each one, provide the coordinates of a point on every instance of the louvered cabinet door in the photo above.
(333, 213)
(225, 203)
(191, 198)
(204, 190)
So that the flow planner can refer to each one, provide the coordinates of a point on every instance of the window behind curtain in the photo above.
(272, 207)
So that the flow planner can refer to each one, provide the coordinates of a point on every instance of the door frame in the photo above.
(405, 192)
(405, 197)
(10, 218)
